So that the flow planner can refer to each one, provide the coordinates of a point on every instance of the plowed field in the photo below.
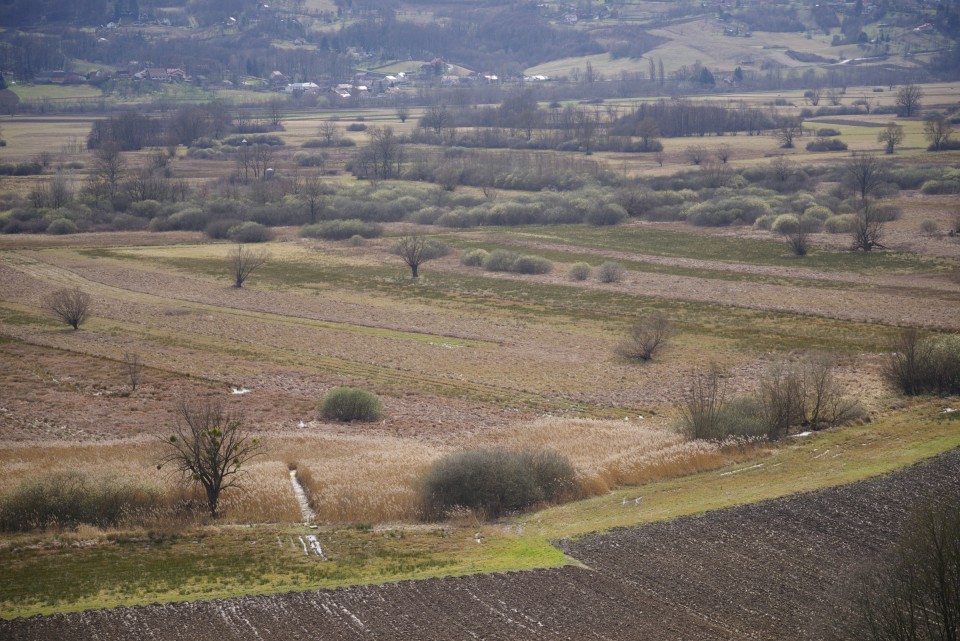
(773, 570)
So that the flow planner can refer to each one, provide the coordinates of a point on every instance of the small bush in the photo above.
(826, 144)
(934, 187)
(764, 222)
(579, 271)
(356, 126)
(474, 257)
(500, 260)
(929, 226)
(310, 160)
(609, 214)
(62, 226)
(527, 264)
(496, 481)
(220, 229)
(351, 404)
(785, 224)
(68, 499)
(250, 232)
(341, 230)
(842, 224)
(357, 240)
(610, 272)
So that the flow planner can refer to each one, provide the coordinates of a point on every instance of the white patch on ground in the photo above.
(298, 492)
(240, 390)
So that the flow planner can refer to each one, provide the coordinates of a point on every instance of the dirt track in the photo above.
(766, 571)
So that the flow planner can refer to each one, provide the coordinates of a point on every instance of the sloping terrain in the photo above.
(773, 570)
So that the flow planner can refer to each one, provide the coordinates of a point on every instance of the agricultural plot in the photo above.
(773, 570)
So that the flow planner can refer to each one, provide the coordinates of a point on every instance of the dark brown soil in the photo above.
(774, 571)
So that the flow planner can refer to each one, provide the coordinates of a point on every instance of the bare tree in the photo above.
(915, 594)
(891, 136)
(72, 306)
(313, 192)
(436, 117)
(789, 129)
(813, 95)
(416, 250)
(782, 168)
(834, 95)
(329, 132)
(275, 112)
(908, 100)
(868, 228)
(402, 109)
(107, 170)
(865, 173)
(134, 366)
(695, 153)
(723, 152)
(937, 129)
(244, 261)
(645, 338)
(209, 446)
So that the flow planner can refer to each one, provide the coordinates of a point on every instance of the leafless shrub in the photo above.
(703, 404)
(245, 261)
(806, 394)
(695, 154)
(72, 306)
(134, 368)
(645, 338)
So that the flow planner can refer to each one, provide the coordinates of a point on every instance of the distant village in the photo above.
(362, 83)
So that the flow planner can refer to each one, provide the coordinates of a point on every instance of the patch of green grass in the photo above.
(659, 242)
(55, 92)
(825, 459)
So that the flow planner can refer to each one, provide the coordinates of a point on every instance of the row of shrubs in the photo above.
(742, 198)
(502, 260)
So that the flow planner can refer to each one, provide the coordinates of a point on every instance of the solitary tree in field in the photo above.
(244, 261)
(891, 135)
(72, 306)
(416, 250)
(908, 100)
(402, 110)
(938, 130)
(789, 129)
(209, 446)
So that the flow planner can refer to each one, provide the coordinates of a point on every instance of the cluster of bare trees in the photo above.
(802, 393)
